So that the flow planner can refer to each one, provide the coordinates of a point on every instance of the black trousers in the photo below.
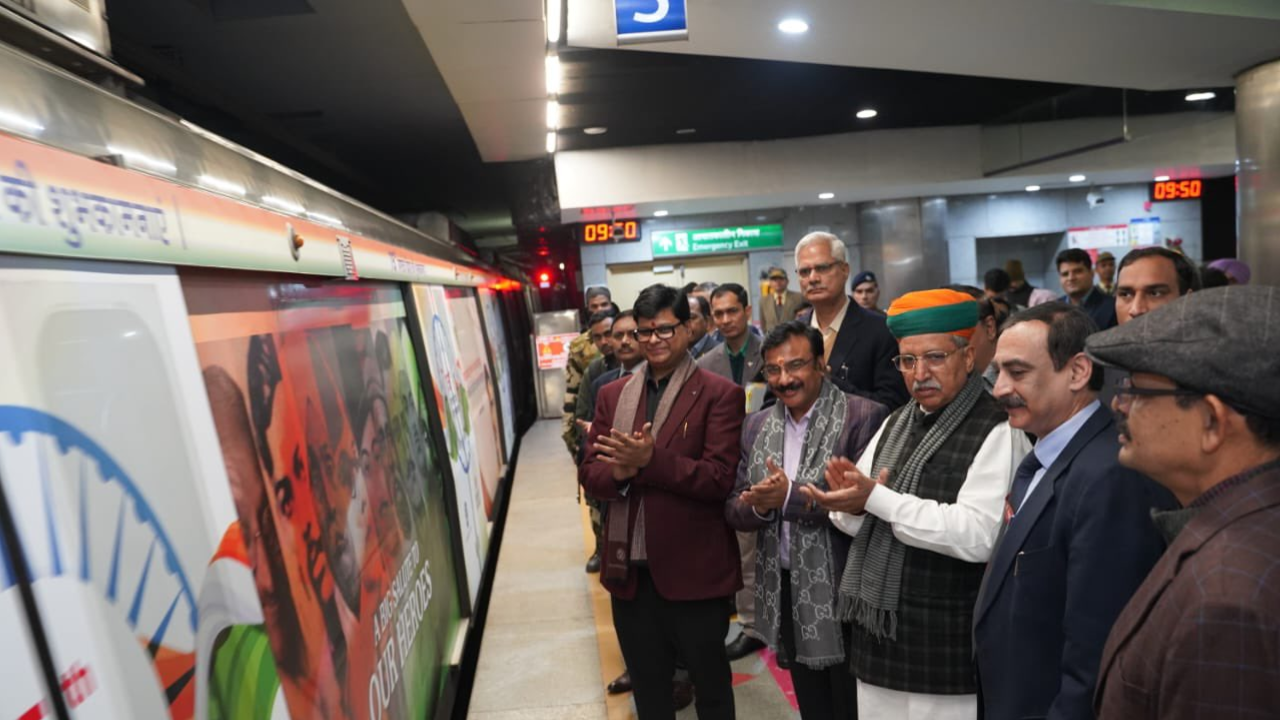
(827, 694)
(653, 631)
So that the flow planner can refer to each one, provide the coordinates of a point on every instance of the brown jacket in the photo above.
(772, 314)
(1201, 637)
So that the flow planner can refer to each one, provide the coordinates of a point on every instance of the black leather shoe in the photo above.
(783, 662)
(742, 647)
(620, 684)
(681, 694)
(593, 565)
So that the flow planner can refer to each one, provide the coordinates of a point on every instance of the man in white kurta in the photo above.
(926, 525)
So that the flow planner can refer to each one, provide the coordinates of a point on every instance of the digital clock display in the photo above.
(616, 231)
(1176, 190)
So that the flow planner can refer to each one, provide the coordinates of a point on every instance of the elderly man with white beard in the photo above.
(924, 527)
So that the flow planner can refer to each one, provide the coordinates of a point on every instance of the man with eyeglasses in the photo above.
(857, 347)
(801, 555)
(1077, 538)
(663, 452)
(1200, 414)
(924, 527)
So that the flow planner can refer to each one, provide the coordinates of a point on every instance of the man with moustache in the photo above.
(1075, 271)
(925, 526)
(599, 325)
(857, 347)
(1200, 414)
(1077, 539)
(663, 452)
(801, 556)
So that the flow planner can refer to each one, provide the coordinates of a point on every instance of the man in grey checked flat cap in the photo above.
(1200, 414)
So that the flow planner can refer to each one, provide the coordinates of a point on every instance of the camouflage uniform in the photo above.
(581, 352)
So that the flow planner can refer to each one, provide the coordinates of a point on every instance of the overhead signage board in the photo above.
(642, 21)
(1139, 232)
(745, 238)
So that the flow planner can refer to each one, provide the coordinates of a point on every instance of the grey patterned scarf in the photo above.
(871, 589)
(819, 640)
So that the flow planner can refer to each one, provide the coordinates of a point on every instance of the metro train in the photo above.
(253, 434)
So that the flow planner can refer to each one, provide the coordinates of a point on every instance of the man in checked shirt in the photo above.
(1200, 414)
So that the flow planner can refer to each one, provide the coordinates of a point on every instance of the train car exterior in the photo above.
(253, 434)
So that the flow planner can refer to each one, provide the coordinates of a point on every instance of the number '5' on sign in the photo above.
(651, 19)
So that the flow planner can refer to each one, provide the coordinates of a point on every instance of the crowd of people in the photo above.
(973, 503)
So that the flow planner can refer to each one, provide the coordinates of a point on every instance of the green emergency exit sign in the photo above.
(713, 240)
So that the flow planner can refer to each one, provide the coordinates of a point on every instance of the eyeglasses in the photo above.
(822, 269)
(933, 360)
(1126, 391)
(664, 332)
(773, 372)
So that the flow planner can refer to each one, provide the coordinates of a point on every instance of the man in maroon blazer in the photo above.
(663, 452)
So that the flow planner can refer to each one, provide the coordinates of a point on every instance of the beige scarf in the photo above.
(619, 552)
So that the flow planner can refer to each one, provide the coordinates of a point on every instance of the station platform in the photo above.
(549, 648)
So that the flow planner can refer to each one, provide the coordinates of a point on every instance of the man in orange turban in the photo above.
(926, 524)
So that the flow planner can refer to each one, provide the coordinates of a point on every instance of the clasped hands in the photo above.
(847, 487)
(626, 454)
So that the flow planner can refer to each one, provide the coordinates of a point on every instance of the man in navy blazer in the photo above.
(1077, 539)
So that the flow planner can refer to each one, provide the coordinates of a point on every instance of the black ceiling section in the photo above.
(643, 98)
(389, 136)
(389, 133)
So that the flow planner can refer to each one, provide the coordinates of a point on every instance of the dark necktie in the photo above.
(1021, 481)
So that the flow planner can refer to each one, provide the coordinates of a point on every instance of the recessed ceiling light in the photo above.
(793, 26)
(826, 195)
(551, 141)
(597, 130)
(1162, 178)
(1197, 97)
(686, 131)
(1077, 178)
(660, 213)
(1033, 188)
(867, 114)
(553, 114)
(762, 218)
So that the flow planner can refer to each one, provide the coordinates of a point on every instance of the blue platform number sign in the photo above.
(651, 20)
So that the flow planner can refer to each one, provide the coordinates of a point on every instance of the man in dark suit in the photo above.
(781, 304)
(1077, 539)
(663, 451)
(858, 346)
(1075, 271)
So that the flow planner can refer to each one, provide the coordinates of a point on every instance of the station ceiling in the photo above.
(439, 105)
